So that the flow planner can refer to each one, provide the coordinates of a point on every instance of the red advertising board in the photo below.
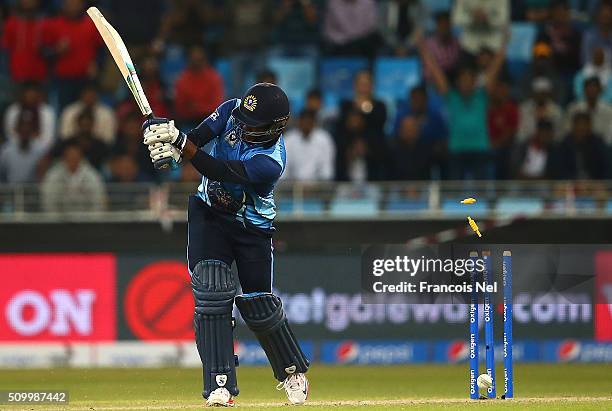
(603, 298)
(57, 297)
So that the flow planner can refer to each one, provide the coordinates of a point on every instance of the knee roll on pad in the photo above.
(214, 289)
(264, 315)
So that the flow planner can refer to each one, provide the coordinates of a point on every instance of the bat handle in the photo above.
(166, 163)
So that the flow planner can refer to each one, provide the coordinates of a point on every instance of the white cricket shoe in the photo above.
(220, 398)
(296, 387)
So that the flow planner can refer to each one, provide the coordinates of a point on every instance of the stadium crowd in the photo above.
(70, 124)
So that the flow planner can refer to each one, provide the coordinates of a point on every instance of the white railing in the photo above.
(396, 200)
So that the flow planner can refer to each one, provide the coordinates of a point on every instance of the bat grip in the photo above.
(166, 163)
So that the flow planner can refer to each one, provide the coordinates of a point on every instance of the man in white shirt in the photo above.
(311, 151)
(105, 125)
(31, 99)
(600, 111)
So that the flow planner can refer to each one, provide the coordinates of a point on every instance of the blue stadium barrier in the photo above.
(361, 207)
(519, 205)
(397, 206)
(336, 78)
(308, 207)
(296, 76)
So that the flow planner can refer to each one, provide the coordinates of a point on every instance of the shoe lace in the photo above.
(290, 383)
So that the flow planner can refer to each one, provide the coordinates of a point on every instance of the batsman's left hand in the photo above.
(161, 151)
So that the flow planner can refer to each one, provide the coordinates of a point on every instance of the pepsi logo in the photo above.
(347, 352)
(569, 350)
(458, 351)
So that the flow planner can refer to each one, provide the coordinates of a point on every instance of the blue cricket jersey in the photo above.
(253, 204)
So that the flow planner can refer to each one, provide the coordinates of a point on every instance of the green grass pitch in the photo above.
(415, 387)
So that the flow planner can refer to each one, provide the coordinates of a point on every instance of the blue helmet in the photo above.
(262, 114)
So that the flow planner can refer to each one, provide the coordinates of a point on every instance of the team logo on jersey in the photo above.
(231, 138)
(250, 103)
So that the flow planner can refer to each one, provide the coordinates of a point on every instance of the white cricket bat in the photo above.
(122, 58)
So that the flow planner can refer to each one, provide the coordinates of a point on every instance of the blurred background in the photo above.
(399, 110)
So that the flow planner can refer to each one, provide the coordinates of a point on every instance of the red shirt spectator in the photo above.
(199, 89)
(23, 39)
(502, 116)
(75, 39)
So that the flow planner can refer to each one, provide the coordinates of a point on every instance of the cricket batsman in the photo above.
(231, 219)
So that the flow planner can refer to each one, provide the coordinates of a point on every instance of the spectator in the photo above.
(411, 156)
(599, 110)
(601, 34)
(543, 66)
(23, 40)
(537, 11)
(249, 25)
(582, 154)
(74, 40)
(310, 151)
(199, 89)
(91, 145)
(326, 116)
(373, 114)
(72, 184)
(266, 76)
(443, 45)
(466, 103)
(314, 101)
(401, 22)
(296, 27)
(129, 141)
(563, 37)
(433, 130)
(182, 24)
(31, 98)
(105, 126)
(247, 29)
(351, 27)
(136, 36)
(19, 158)
(599, 66)
(539, 107)
(153, 86)
(374, 111)
(354, 160)
(482, 23)
(124, 169)
(502, 121)
(533, 159)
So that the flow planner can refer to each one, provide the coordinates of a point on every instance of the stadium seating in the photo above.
(172, 64)
(520, 52)
(336, 76)
(393, 79)
(296, 76)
